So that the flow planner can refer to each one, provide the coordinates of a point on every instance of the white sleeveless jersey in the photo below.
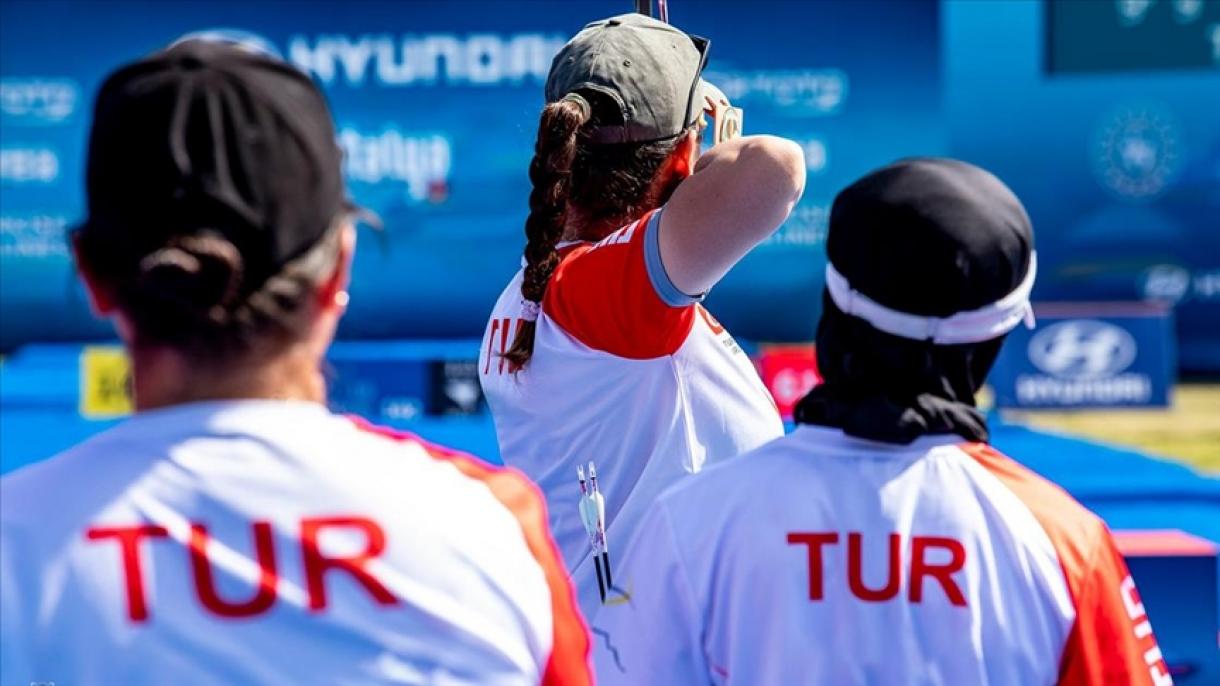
(824, 559)
(626, 372)
(269, 542)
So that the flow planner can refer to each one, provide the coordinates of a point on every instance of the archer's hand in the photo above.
(726, 119)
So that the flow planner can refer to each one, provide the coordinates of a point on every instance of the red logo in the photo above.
(499, 333)
(788, 372)
(317, 565)
(712, 323)
(921, 569)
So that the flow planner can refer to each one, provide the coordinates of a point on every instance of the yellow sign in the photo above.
(105, 382)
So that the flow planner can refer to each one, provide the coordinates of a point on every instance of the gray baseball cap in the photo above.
(651, 69)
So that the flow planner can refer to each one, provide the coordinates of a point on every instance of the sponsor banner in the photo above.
(788, 372)
(791, 93)
(436, 106)
(455, 388)
(38, 101)
(1088, 356)
(105, 382)
(34, 236)
(476, 59)
(382, 382)
(20, 165)
(378, 388)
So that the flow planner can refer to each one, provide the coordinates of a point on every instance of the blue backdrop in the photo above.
(1114, 147)
(1117, 156)
(437, 106)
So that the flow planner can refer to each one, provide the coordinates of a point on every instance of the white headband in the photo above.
(987, 322)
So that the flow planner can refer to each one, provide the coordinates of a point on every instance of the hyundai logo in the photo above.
(1082, 349)
(1166, 282)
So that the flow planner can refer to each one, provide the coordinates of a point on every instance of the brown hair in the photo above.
(191, 294)
(602, 184)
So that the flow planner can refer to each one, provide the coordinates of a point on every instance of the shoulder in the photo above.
(568, 661)
(52, 484)
(510, 488)
(404, 443)
(614, 296)
(1076, 533)
(735, 482)
(43, 504)
(509, 301)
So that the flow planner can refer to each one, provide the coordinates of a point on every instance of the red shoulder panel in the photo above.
(601, 295)
(569, 661)
(1111, 641)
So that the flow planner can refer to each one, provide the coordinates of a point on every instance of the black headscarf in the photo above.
(928, 237)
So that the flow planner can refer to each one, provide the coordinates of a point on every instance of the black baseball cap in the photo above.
(211, 136)
(649, 68)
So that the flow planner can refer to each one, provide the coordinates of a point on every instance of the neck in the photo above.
(163, 377)
(580, 228)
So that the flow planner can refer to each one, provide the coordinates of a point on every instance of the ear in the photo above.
(332, 295)
(101, 301)
(675, 170)
(682, 161)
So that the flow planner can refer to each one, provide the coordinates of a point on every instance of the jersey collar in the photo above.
(824, 437)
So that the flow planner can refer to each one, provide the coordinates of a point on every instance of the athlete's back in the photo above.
(824, 559)
(598, 350)
(649, 407)
(884, 542)
(266, 542)
(234, 531)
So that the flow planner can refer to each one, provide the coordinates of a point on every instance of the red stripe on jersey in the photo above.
(568, 663)
(601, 295)
(1111, 641)
(1162, 543)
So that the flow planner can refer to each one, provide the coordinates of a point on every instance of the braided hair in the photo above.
(550, 174)
(579, 182)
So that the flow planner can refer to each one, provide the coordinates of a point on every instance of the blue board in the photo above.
(437, 106)
(1114, 145)
(1104, 117)
(1086, 355)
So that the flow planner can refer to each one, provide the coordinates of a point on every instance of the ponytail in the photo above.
(190, 283)
(550, 174)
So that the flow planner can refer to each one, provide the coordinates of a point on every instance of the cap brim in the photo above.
(363, 215)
